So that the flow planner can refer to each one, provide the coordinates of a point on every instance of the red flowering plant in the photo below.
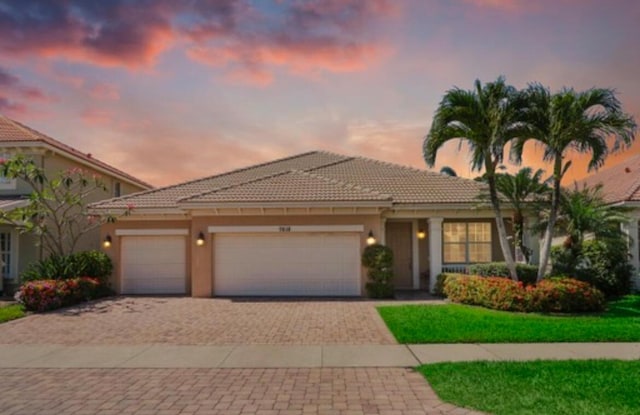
(564, 295)
(44, 295)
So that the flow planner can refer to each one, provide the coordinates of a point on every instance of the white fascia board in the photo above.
(136, 211)
(14, 205)
(152, 232)
(286, 229)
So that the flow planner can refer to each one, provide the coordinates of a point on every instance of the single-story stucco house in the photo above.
(621, 187)
(296, 226)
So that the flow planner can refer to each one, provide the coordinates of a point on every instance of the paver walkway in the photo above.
(219, 391)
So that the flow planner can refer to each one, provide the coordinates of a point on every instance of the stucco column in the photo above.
(435, 250)
(531, 240)
(631, 230)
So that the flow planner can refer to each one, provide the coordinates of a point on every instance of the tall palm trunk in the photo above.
(545, 252)
(502, 230)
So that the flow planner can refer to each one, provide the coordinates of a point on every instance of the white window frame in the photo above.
(7, 184)
(467, 243)
(13, 253)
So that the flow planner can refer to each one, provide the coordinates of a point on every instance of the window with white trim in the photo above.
(6, 260)
(466, 242)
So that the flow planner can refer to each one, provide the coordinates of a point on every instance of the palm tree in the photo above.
(524, 190)
(448, 171)
(584, 122)
(583, 211)
(486, 118)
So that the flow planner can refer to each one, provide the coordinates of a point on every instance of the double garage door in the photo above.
(263, 264)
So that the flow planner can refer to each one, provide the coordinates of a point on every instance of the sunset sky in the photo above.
(172, 90)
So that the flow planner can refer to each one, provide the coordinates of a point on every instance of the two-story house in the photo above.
(17, 251)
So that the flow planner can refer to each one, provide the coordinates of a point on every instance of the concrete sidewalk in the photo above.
(270, 356)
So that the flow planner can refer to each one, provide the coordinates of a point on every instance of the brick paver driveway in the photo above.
(144, 320)
(218, 391)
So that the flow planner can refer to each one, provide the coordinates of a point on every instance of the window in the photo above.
(116, 189)
(466, 242)
(5, 183)
(5, 254)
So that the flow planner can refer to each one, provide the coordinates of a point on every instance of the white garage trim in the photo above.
(286, 229)
(154, 264)
(152, 232)
(287, 264)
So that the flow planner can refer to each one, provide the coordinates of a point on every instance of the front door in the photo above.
(399, 239)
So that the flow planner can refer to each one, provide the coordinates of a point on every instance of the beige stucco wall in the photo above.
(200, 261)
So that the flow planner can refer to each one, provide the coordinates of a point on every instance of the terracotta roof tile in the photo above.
(620, 183)
(293, 186)
(314, 177)
(13, 132)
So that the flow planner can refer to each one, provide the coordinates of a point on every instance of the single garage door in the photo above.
(296, 264)
(153, 264)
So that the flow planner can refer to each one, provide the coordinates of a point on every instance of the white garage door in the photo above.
(297, 264)
(153, 264)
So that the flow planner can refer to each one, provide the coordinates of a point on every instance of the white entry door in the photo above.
(154, 264)
(295, 264)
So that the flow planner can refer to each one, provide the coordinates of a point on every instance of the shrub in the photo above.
(526, 273)
(378, 259)
(44, 295)
(605, 265)
(564, 295)
(438, 289)
(94, 264)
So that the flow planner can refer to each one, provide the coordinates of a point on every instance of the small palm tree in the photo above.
(486, 118)
(448, 171)
(582, 122)
(583, 211)
(522, 191)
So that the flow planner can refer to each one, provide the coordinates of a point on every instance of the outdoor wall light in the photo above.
(371, 239)
(200, 240)
(421, 234)
(107, 241)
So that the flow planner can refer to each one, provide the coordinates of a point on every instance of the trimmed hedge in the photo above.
(438, 289)
(561, 295)
(378, 259)
(47, 295)
(526, 273)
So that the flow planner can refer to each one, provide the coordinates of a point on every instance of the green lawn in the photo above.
(455, 323)
(587, 387)
(11, 312)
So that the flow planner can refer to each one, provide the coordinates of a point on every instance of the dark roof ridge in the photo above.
(202, 179)
(231, 186)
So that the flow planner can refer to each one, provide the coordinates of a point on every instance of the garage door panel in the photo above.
(153, 265)
(291, 264)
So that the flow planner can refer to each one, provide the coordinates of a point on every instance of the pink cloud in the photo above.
(105, 91)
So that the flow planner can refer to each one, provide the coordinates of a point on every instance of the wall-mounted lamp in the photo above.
(200, 240)
(371, 239)
(421, 234)
(107, 241)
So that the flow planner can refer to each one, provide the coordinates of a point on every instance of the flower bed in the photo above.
(562, 295)
(44, 295)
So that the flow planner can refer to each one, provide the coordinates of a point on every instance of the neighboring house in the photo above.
(17, 251)
(296, 226)
(621, 187)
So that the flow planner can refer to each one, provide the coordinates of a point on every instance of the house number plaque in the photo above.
(285, 228)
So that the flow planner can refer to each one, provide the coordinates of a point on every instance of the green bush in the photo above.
(528, 274)
(561, 295)
(378, 259)
(605, 265)
(94, 264)
(438, 289)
